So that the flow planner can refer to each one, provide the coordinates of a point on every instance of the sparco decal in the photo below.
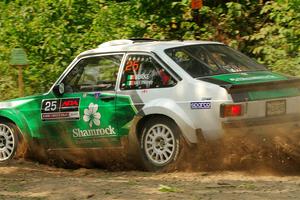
(58, 109)
(200, 105)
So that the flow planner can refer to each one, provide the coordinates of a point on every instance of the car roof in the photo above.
(144, 45)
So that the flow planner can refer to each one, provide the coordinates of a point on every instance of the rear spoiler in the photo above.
(291, 83)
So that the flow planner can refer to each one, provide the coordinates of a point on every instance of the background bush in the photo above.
(54, 32)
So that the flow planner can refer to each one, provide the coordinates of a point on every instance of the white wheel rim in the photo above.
(6, 142)
(159, 144)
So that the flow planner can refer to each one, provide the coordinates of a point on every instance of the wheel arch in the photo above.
(172, 111)
(11, 116)
(143, 120)
(2, 118)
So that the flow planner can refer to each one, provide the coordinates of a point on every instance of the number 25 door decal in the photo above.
(58, 109)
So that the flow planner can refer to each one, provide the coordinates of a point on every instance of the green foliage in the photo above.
(54, 32)
(277, 43)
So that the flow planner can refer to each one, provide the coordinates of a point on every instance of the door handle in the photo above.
(107, 98)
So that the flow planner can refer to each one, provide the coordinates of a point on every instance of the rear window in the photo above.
(212, 59)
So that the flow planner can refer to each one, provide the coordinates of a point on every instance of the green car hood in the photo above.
(19, 101)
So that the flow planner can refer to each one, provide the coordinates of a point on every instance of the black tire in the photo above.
(9, 139)
(161, 145)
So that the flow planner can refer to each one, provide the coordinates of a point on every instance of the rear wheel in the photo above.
(8, 141)
(161, 144)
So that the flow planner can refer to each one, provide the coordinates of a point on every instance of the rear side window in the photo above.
(143, 72)
(211, 59)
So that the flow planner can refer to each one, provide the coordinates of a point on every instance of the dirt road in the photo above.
(28, 180)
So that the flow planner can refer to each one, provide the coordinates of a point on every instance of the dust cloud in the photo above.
(275, 152)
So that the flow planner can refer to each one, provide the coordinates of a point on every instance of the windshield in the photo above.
(212, 59)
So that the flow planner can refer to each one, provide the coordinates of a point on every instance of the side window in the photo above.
(143, 72)
(97, 73)
(196, 66)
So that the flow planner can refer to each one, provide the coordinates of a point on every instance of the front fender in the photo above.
(174, 111)
(18, 118)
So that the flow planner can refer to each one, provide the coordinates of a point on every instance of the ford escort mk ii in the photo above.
(154, 97)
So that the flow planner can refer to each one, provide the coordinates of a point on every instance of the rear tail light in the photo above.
(231, 110)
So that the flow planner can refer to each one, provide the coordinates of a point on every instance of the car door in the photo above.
(142, 80)
(84, 115)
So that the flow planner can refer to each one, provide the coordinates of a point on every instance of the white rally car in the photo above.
(159, 96)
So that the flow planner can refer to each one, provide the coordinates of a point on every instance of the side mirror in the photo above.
(59, 89)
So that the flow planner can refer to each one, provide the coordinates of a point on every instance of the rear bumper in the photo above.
(292, 120)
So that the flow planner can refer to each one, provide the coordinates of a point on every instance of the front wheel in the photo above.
(161, 144)
(8, 141)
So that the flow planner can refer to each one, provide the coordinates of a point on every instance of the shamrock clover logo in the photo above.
(91, 115)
